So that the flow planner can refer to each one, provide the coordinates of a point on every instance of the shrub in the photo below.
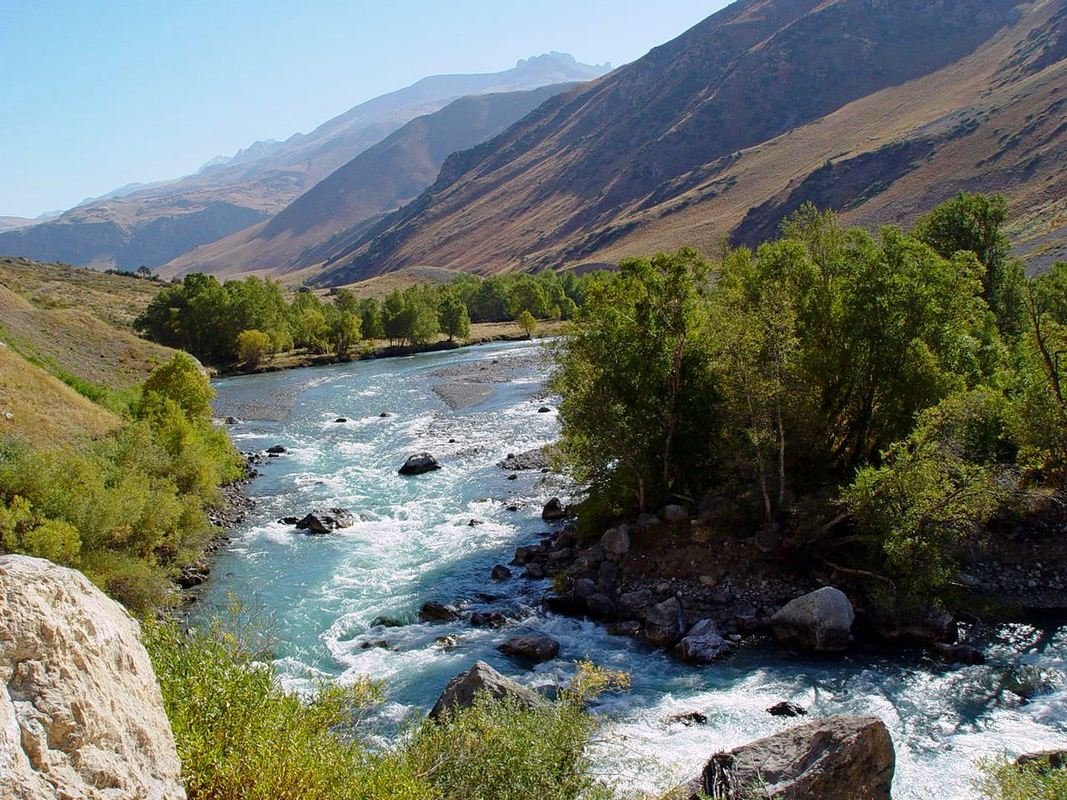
(1005, 780)
(252, 347)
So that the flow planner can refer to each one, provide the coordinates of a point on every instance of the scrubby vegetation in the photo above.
(876, 398)
(244, 321)
(241, 737)
(1038, 780)
(129, 509)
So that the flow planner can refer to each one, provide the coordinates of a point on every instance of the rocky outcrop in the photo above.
(838, 758)
(418, 464)
(326, 520)
(481, 678)
(553, 511)
(820, 621)
(81, 714)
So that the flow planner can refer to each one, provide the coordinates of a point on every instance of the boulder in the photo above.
(637, 604)
(462, 689)
(600, 605)
(616, 541)
(543, 410)
(500, 573)
(838, 758)
(674, 514)
(960, 654)
(787, 709)
(663, 623)
(81, 714)
(437, 612)
(553, 510)
(386, 622)
(702, 644)
(488, 619)
(535, 647)
(232, 421)
(276, 450)
(326, 520)
(687, 718)
(630, 627)
(584, 587)
(819, 621)
(607, 577)
(341, 420)
(418, 464)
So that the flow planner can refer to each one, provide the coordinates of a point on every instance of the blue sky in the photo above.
(95, 94)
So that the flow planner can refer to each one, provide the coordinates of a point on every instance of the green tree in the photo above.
(183, 381)
(527, 323)
(455, 321)
(252, 347)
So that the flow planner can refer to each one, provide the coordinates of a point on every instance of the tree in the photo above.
(636, 393)
(182, 381)
(527, 323)
(344, 331)
(455, 321)
(252, 347)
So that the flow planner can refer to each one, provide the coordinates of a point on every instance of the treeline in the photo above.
(129, 510)
(872, 399)
(244, 321)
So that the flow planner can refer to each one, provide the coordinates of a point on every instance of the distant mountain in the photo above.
(333, 213)
(876, 109)
(14, 223)
(156, 224)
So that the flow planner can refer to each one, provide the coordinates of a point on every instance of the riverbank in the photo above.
(480, 333)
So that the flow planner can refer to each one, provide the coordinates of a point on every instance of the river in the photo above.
(318, 595)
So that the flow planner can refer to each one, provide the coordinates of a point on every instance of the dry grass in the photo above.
(55, 316)
(43, 411)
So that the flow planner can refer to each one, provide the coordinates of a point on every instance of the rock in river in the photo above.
(702, 644)
(325, 520)
(463, 688)
(663, 623)
(819, 621)
(553, 510)
(418, 464)
(533, 647)
(838, 758)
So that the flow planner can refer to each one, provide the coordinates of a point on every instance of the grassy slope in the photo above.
(44, 411)
(75, 322)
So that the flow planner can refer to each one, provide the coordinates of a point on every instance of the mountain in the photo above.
(877, 109)
(380, 179)
(160, 222)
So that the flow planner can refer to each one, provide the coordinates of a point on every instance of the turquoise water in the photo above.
(319, 595)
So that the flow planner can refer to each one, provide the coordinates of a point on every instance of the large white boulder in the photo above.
(819, 621)
(81, 714)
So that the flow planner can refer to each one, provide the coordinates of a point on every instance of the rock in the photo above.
(488, 619)
(819, 621)
(326, 520)
(647, 522)
(500, 573)
(81, 714)
(960, 654)
(674, 515)
(543, 410)
(663, 623)
(232, 421)
(340, 420)
(530, 460)
(474, 523)
(535, 571)
(769, 538)
(553, 510)
(446, 642)
(562, 604)
(607, 579)
(687, 718)
(616, 541)
(289, 520)
(513, 477)
(702, 644)
(533, 647)
(629, 627)
(386, 622)
(276, 450)
(838, 758)
(385, 414)
(462, 689)
(379, 644)
(1044, 760)
(437, 612)
(584, 587)
(600, 605)
(418, 464)
(637, 604)
(787, 709)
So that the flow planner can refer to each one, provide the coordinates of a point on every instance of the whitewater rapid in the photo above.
(414, 542)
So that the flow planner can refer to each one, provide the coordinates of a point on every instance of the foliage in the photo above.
(455, 319)
(252, 347)
(527, 323)
(241, 737)
(1004, 780)
(128, 510)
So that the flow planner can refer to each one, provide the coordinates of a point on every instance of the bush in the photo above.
(252, 347)
(241, 737)
(1004, 780)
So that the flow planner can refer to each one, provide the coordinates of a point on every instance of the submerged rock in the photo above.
(819, 621)
(687, 718)
(481, 677)
(81, 714)
(535, 647)
(418, 464)
(839, 758)
(500, 573)
(326, 520)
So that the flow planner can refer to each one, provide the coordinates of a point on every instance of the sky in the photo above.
(95, 94)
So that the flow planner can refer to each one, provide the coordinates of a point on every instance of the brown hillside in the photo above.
(873, 108)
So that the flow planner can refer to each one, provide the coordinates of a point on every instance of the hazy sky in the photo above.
(98, 93)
